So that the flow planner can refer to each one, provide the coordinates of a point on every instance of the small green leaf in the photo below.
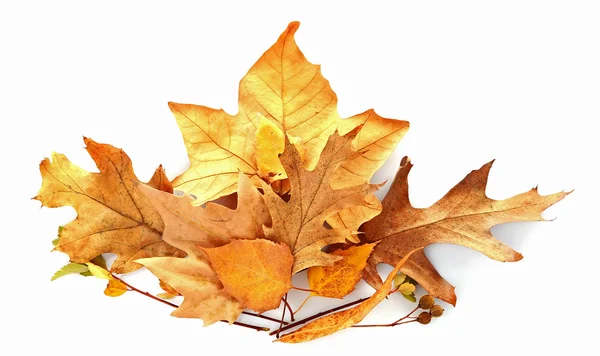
(407, 288)
(71, 268)
(399, 279)
(410, 297)
(55, 241)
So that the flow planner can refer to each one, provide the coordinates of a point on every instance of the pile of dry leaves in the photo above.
(300, 175)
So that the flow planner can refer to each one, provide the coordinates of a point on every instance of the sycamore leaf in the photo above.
(71, 268)
(464, 216)
(299, 222)
(339, 279)
(374, 138)
(112, 215)
(197, 282)
(334, 322)
(257, 273)
(281, 86)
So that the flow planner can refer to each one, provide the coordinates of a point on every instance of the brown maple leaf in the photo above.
(299, 222)
(112, 215)
(464, 216)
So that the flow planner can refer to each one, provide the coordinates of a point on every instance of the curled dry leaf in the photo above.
(257, 273)
(331, 323)
(299, 222)
(112, 215)
(339, 279)
(464, 216)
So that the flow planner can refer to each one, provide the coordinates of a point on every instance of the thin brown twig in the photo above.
(132, 288)
(282, 316)
(306, 320)
(287, 305)
(383, 325)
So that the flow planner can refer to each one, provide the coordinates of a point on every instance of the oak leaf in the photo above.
(464, 216)
(339, 279)
(299, 222)
(188, 227)
(197, 282)
(283, 87)
(332, 323)
(193, 228)
(257, 273)
(112, 215)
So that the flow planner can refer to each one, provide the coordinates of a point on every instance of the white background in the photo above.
(518, 81)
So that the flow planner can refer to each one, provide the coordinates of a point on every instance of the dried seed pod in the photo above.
(426, 302)
(437, 311)
(424, 318)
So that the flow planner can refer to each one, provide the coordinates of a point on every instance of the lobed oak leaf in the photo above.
(193, 228)
(334, 322)
(197, 282)
(188, 227)
(339, 279)
(257, 273)
(112, 215)
(299, 222)
(281, 86)
(464, 216)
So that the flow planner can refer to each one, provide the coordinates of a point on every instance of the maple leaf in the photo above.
(334, 322)
(283, 87)
(339, 279)
(374, 138)
(257, 273)
(464, 216)
(299, 222)
(112, 215)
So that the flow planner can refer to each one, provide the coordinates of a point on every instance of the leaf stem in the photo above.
(257, 328)
(282, 316)
(318, 315)
(287, 305)
(397, 322)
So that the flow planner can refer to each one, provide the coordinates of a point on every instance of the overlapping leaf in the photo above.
(112, 215)
(464, 216)
(338, 321)
(299, 222)
(255, 272)
(283, 87)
